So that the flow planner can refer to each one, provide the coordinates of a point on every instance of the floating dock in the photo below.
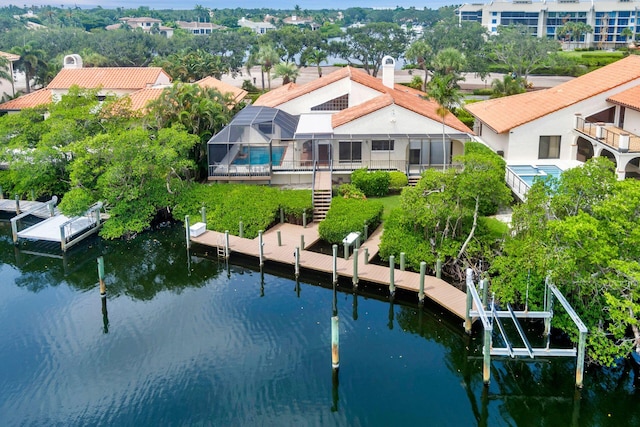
(437, 290)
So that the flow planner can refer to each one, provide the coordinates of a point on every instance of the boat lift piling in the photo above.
(491, 315)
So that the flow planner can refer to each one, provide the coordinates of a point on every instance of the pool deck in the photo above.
(439, 291)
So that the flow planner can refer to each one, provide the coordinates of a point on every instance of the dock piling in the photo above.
(423, 270)
(296, 254)
(203, 214)
(304, 219)
(334, 249)
(33, 195)
(1, 193)
(302, 242)
(227, 249)
(467, 316)
(335, 342)
(241, 229)
(187, 231)
(279, 238)
(439, 268)
(366, 230)
(484, 284)
(103, 288)
(18, 204)
(281, 216)
(260, 248)
(402, 261)
(392, 268)
(346, 250)
(366, 256)
(355, 268)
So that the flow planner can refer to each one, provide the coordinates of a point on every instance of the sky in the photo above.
(246, 4)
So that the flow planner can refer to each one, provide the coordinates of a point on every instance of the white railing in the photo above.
(517, 184)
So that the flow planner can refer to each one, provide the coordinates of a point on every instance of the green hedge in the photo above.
(397, 180)
(372, 184)
(348, 215)
(256, 206)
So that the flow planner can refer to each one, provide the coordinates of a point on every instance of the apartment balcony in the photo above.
(610, 136)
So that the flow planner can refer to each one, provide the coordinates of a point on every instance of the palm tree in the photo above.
(627, 33)
(266, 57)
(289, 72)
(31, 59)
(507, 86)
(316, 57)
(449, 61)
(444, 90)
(421, 53)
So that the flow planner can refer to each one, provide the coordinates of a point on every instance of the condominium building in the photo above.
(607, 18)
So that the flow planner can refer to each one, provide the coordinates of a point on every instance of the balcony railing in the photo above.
(610, 135)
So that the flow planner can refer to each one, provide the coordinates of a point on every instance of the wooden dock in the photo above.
(38, 208)
(439, 291)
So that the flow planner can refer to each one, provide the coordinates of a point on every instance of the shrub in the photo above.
(397, 180)
(350, 191)
(483, 92)
(348, 215)
(372, 184)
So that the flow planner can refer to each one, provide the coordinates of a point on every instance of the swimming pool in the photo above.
(259, 155)
(528, 173)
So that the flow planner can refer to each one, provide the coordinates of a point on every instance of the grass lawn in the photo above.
(389, 202)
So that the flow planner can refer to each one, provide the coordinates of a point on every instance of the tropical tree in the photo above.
(509, 85)
(315, 57)
(519, 51)
(369, 44)
(449, 61)
(444, 90)
(288, 71)
(266, 57)
(421, 54)
(573, 31)
(627, 33)
(31, 60)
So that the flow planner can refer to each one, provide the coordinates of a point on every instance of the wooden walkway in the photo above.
(447, 296)
(9, 205)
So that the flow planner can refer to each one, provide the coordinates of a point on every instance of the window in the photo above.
(549, 147)
(350, 151)
(266, 128)
(382, 145)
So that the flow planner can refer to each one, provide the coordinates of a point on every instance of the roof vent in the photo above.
(388, 70)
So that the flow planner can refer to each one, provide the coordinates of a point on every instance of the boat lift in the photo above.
(489, 316)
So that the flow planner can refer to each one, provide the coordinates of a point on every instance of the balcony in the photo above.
(609, 135)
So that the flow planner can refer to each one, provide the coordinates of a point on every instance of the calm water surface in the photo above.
(184, 340)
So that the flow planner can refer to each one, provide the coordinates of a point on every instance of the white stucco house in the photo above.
(338, 123)
(257, 27)
(597, 114)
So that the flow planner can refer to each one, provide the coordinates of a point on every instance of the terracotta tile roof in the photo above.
(401, 95)
(125, 78)
(30, 100)
(357, 111)
(504, 114)
(222, 87)
(140, 99)
(629, 98)
(10, 56)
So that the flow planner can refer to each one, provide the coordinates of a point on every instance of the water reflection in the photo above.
(189, 344)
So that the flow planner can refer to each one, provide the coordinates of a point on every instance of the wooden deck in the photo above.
(447, 296)
(9, 205)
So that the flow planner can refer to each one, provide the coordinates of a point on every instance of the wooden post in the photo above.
(187, 231)
(241, 229)
(281, 216)
(17, 204)
(335, 341)
(14, 230)
(260, 249)
(580, 359)
(366, 256)
(103, 288)
(355, 268)
(335, 263)
(279, 238)
(346, 250)
(296, 254)
(486, 349)
(33, 195)
(485, 292)
(304, 220)
(423, 270)
(203, 214)
(439, 268)
(392, 268)
(227, 249)
(467, 317)
(302, 242)
(366, 230)
(63, 239)
(402, 261)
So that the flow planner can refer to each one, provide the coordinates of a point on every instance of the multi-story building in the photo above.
(607, 18)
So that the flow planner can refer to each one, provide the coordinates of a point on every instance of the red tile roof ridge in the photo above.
(352, 113)
(629, 98)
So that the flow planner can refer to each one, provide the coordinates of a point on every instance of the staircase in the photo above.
(321, 195)
(413, 180)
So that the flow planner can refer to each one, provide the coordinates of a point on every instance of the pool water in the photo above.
(259, 156)
(528, 173)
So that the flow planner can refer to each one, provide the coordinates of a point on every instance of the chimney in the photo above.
(388, 71)
(72, 61)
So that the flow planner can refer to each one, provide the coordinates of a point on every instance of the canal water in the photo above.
(184, 339)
